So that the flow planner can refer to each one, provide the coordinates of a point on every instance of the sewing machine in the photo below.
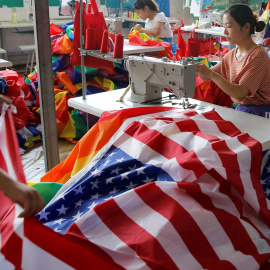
(149, 76)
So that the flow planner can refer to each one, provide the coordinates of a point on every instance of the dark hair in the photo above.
(243, 14)
(140, 4)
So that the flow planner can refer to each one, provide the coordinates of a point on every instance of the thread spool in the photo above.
(118, 51)
(105, 42)
(89, 10)
(90, 41)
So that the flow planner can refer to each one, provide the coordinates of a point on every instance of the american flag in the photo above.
(169, 190)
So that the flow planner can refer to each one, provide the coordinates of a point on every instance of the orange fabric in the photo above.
(64, 78)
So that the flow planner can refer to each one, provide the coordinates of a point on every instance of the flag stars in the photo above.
(148, 180)
(59, 221)
(62, 210)
(95, 184)
(43, 214)
(113, 153)
(113, 191)
(77, 216)
(92, 206)
(79, 203)
(116, 170)
(96, 196)
(267, 192)
(140, 171)
(78, 190)
(263, 182)
(131, 186)
(97, 172)
(109, 180)
(120, 160)
(124, 176)
(132, 168)
(268, 169)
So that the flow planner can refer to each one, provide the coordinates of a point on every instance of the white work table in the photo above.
(214, 30)
(256, 126)
(5, 63)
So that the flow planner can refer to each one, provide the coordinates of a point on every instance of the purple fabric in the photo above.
(70, 73)
(260, 110)
(56, 36)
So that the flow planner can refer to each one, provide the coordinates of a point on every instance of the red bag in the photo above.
(193, 45)
(208, 46)
(97, 22)
(181, 44)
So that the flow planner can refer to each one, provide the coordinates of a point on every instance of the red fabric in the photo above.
(24, 116)
(193, 45)
(181, 44)
(55, 30)
(210, 92)
(135, 40)
(16, 84)
(97, 22)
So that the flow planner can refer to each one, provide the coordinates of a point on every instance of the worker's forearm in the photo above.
(233, 90)
(5, 180)
(151, 32)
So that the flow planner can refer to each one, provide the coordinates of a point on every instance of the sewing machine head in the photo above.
(149, 76)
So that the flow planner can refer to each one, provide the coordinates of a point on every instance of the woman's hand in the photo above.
(5, 99)
(27, 197)
(137, 27)
(203, 71)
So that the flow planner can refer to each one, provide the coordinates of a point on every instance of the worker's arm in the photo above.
(152, 31)
(236, 91)
(27, 197)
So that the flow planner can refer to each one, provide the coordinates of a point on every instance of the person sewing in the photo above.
(156, 24)
(27, 197)
(244, 72)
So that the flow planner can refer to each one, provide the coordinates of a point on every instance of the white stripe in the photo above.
(98, 233)
(3, 147)
(244, 160)
(34, 257)
(209, 225)
(4, 264)
(159, 227)
(147, 155)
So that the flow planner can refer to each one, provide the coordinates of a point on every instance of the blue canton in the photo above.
(115, 173)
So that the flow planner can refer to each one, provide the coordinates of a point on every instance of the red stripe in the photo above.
(166, 147)
(11, 243)
(127, 113)
(230, 164)
(3, 164)
(181, 220)
(73, 249)
(225, 127)
(231, 224)
(13, 147)
(143, 243)
(189, 125)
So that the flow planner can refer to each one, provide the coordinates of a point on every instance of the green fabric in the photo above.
(79, 123)
(47, 190)
(88, 70)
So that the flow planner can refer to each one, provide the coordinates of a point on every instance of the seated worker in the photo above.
(244, 72)
(156, 24)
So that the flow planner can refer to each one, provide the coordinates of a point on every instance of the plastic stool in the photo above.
(31, 49)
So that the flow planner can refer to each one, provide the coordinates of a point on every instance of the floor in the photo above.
(33, 159)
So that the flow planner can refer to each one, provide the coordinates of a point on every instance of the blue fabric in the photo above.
(260, 110)
(3, 86)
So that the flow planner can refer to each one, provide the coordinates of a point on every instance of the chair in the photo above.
(31, 50)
